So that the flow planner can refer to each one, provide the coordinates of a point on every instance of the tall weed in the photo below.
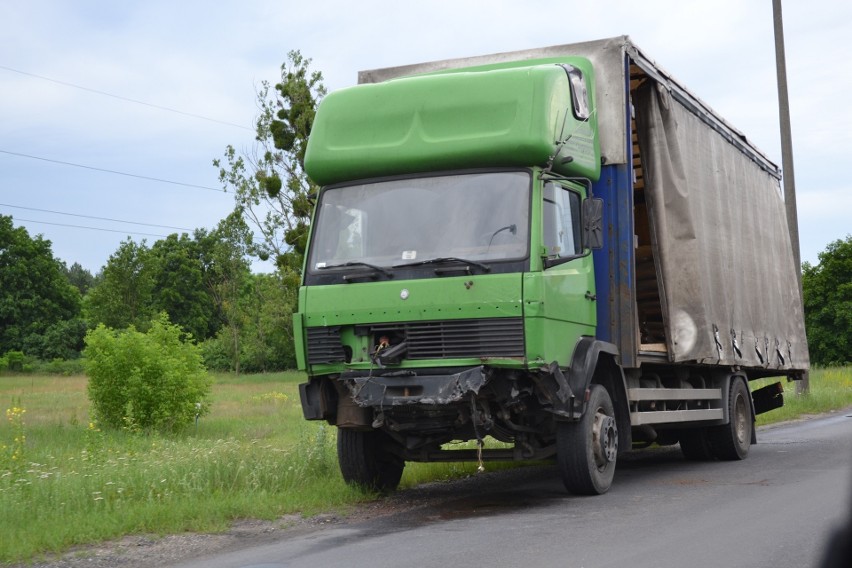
(830, 389)
(254, 455)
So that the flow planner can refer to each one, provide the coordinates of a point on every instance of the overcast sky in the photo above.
(207, 58)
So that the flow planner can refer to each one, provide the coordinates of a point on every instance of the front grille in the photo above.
(501, 337)
(451, 339)
(324, 345)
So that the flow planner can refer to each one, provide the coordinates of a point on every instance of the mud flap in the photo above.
(561, 398)
(768, 398)
(319, 400)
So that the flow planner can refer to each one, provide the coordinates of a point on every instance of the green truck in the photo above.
(562, 249)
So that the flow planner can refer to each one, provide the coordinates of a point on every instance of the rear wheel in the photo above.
(695, 446)
(367, 459)
(586, 450)
(733, 440)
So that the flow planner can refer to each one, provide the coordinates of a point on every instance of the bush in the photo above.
(21, 363)
(59, 366)
(215, 353)
(14, 361)
(152, 380)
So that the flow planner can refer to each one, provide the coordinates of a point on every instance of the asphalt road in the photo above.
(775, 509)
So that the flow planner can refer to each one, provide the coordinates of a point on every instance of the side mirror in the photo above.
(593, 223)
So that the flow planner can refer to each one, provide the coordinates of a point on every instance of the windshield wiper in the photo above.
(445, 259)
(354, 263)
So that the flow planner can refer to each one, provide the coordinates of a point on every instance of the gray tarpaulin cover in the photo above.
(729, 288)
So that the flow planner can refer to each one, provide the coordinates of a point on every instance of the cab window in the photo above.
(561, 223)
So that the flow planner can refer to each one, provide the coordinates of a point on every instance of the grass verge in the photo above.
(66, 482)
(830, 389)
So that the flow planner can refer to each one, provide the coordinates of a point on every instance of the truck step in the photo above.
(675, 416)
(673, 394)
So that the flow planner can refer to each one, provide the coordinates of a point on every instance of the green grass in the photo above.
(65, 482)
(830, 389)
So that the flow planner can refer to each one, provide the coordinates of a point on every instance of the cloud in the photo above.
(208, 58)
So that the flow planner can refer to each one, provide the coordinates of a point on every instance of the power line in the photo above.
(119, 97)
(92, 228)
(97, 228)
(97, 218)
(218, 190)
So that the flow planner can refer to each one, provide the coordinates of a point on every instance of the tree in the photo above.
(122, 295)
(178, 285)
(259, 335)
(34, 292)
(268, 334)
(60, 340)
(195, 280)
(827, 289)
(270, 184)
(81, 278)
(272, 193)
(226, 273)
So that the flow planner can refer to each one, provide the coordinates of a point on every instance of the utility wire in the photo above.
(218, 190)
(91, 228)
(98, 228)
(97, 218)
(119, 97)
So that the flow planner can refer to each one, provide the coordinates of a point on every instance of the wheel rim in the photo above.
(604, 439)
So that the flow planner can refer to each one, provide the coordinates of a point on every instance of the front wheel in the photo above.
(367, 459)
(586, 450)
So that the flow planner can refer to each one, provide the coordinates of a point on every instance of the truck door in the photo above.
(568, 279)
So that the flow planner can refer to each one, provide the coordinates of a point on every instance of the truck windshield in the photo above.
(482, 217)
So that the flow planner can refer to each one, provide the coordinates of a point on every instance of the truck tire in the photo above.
(733, 440)
(366, 459)
(695, 446)
(586, 450)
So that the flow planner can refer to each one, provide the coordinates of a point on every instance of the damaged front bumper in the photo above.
(351, 397)
(406, 387)
(346, 399)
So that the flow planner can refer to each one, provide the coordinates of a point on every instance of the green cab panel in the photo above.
(495, 117)
(431, 299)
(558, 311)
(452, 320)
